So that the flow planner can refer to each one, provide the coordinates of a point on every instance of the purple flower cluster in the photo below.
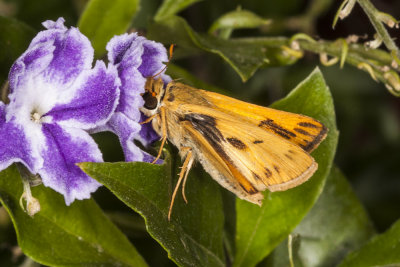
(57, 97)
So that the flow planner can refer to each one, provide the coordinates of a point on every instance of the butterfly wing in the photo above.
(243, 157)
(301, 130)
(244, 147)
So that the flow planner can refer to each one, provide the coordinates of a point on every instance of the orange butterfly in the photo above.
(246, 148)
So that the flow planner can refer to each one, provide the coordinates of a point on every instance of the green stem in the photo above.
(373, 15)
(290, 250)
(375, 61)
(356, 54)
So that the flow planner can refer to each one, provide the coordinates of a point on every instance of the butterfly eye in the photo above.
(150, 101)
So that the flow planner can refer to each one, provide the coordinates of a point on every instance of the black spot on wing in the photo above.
(270, 124)
(206, 126)
(258, 142)
(236, 143)
(250, 190)
(315, 142)
(171, 97)
(268, 172)
(288, 156)
(308, 125)
(303, 132)
(256, 176)
(276, 168)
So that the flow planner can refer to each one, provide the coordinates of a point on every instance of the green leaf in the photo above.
(102, 19)
(245, 55)
(78, 235)
(238, 19)
(336, 225)
(172, 7)
(15, 37)
(193, 237)
(382, 250)
(261, 229)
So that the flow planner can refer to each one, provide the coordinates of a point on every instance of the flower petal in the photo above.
(50, 71)
(58, 24)
(56, 56)
(94, 102)
(15, 146)
(127, 130)
(154, 56)
(117, 48)
(127, 58)
(65, 147)
(136, 59)
(29, 64)
(73, 52)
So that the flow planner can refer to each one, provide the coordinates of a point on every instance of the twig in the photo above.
(377, 19)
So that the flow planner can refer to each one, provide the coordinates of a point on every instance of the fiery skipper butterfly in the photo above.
(246, 148)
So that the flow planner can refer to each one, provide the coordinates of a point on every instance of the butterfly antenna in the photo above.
(171, 50)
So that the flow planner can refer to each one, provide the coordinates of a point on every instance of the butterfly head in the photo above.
(154, 92)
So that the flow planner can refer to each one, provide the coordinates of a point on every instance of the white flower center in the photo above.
(35, 117)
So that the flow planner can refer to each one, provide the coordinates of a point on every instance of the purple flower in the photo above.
(55, 96)
(136, 58)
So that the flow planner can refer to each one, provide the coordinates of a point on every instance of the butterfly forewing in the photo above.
(256, 158)
(265, 158)
(301, 130)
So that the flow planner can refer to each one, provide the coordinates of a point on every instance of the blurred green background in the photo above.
(368, 116)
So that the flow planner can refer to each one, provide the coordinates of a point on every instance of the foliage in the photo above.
(64, 236)
(320, 223)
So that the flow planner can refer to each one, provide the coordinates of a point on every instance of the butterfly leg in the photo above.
(149, 119)
(163, 132)
(187, 164)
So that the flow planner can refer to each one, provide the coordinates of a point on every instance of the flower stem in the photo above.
(32, 204)
(375, 16)
(290, 250)
(376, 62)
